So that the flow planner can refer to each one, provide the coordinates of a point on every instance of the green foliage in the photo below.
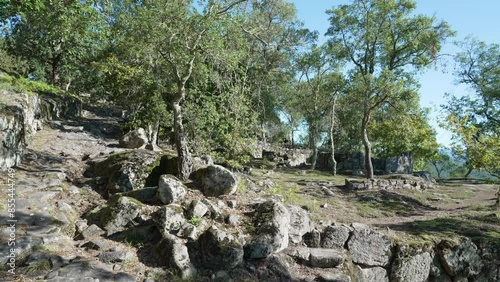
(196, 221)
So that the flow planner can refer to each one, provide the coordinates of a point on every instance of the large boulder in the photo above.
(460, 260)
(171, 189)
(172, 252)
(334, 236)
(215, 180)
(271, 223)
(169, 218)
(300, 223)
(132, 170)
(120, 214)
(134, 139)
(220, 250)
(412, 264)
(369, 247)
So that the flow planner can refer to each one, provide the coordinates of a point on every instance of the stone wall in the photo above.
(21, 116)
(401, 182)
(355, 163)
(284, 156)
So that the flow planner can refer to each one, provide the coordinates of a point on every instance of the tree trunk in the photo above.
(368, 149)
(185, 161)
(313, 146)
(468, 172)
(153, 130)
(332, 142)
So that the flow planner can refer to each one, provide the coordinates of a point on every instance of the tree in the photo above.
(385, 44)
(52, 36)
(475, 118)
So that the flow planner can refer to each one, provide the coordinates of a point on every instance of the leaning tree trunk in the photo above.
(468, 172)
(185, 161)
(368, 148)
(332, 142)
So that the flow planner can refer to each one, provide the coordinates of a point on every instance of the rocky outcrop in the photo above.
(220, 250)
(173, 253)
(271, 222)
(215, 180)
(461, 260)
(412, 263)
(134, 139)
(300, 223)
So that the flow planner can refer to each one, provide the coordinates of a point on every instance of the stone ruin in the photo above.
(418, 181)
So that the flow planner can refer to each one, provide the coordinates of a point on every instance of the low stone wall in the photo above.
(410, 183)
(21, 116)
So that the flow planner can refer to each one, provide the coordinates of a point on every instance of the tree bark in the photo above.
(332, 142)
(185, 161)
(313, 146)
(153, 130)
(468, 172)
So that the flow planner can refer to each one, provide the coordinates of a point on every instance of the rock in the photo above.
(121, 214)
(91, 231)
(220, 250)
(134, 139)
(192, 232)
(201, 162)
(197, 209)
(171, 189)
(215, 180)
(145, 195)
(300, 223)
(215, 212)
(333, 277)
(271, 223)
(115, 256)
(462, 260)
(233, 219)
(325, 258)
(334, 236)
(171, 252)
(169, 218)
(371, 274)
(411, 264)
(312, 239)
(87, 270)
(131, 170)
(96, 245)
(368, 247)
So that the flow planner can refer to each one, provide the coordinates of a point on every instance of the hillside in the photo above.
(87, 208)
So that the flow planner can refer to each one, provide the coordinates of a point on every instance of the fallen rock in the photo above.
(96, 245)
(215, 180)
(411, 264)
(312, 239)
(171, 189)
(171, 252)
(233, 219)
(91, 231)
(325, 258)
(169, 218)
(197, 209)
(368, 247)
(88, 270)
(334, 236)
(462, 260)
(134, 139)
(271, 223)
(115, 256)
(120, 214)
(220, 250)
(333, 277)
(300, 223)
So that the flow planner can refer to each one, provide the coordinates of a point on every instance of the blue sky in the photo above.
(479, 18)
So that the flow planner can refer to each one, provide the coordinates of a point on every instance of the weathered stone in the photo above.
(334, 236)
(131, 170)
(462, 260)
(215, 180)
(171, 252)
(134, 139)
(368, 247)
(333, 277)
(96, 245)
(192, 232)
(87, 271)
(115, 256)
(233, 219)
(271, 222)
(91, 231)
(325, 258)
(411, 264)
(169, 218)
(312, 239)
(120, 214)
(371, 274)
(171, 189)
(215, 212)
(197, 209)
(300, 223)
(146, 195)
(220, 250)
